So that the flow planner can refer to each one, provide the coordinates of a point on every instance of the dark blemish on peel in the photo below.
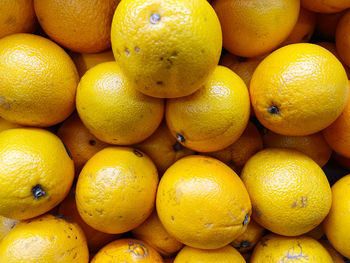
(137, 49)
(273, 110)
(244, 244)
(180, 138)
(126, 50)
(38, 191)
(172, 218)
(92, 142)
(160, 83)
(177, 147)
(138, 153)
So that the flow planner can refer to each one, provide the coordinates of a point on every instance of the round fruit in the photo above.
(274, 249)
(36, 172)
(38, 81)
(342, 39)
(299, 89)
(213, 117)
(337, 223)
(79, 25)
(45, 239)
(202, 202)
(326, 25)
(6, 224)
(252, 28)
(326, 6)
(290, 193)
(166, 48)
(112, 110)
(153, 232)
(316, 233)
(116, 189)
(221, 255)
(5, 125)
(337, 258)
(127, 250)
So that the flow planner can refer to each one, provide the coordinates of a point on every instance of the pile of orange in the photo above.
(185, 131)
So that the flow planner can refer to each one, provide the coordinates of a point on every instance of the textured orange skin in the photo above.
(6, 224)
(153, 232)
(79, 25)
(45, 239)
(342, 39)
(290, 193)
(170, 57)
(31, 157)
(326, 24)
(116, 177)
(221, 255)
(127, 250)
(188, 194)
(337, 223)
(38, 81)
(273, 249)
(325, 6)
(337, 258)
(5, 125)
(252, 28)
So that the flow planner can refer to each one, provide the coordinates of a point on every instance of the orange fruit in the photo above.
(337, 134)
(325, 6)
(342, 160)
(112, 110)
(79, 25)
(326, 24)
(238, 153)
(153, 232)
(252, 28)
(5, 125)
(163, 148)
(166, 48)
(337, 258)
(273, 248)
(81, 143)
(6, 224)
(17, 16)
(38, 81)
(287, 81)
(314, 145)
(45, 239)
(213, 117)
(316, 233)
(290, 193)
(202, 202)
(342, 40)
(168, 260)
(337, 223)
(220, 255)
(116, 177)
(127, 250)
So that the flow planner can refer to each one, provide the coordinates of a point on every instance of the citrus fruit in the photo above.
(221, 255)
(116, 189)
(36, 172)
(81, 143)
(5, 125)
(337, 223)
(337, 258)
(290, 193)
(342, 40)
(273, 249)
(127, 250)
(38, 81)
(113, 111)
(45, 239)
(252, 28)
(299, 89)
(166, 48)
(213, 117)
(313, 145)
(153, 232)
(202, 202)
(168, 260)
(342, 160)
(316, 233)
(6, 224)
(325, 6)
(79, 25)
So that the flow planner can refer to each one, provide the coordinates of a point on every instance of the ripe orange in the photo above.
(5, 125)
(342, 39)
(337, 258)
(325, 6)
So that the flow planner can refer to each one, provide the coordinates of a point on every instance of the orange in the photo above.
(221, 255)
(45, 239)
(273, 248)
(36, 172)
(326, 24)
(168, 260)
(337, 258)
(6, 224)
(153, 232)
(112, 110)
(127, 250)
(337, 134)
(163, 148)
(342, 40)
(249, 238)
(238, 153)
(79, 25)
(290, 193)
(316, 233)
(38, 81)
(325, 6)
(80, 142)
(116, 189)
(252, 28)
(94, 238)
(17, 16)
(314, 145)
(166, 48)
(202, 202)
(213, 117)
(299, 89)
(5, 125)
(337, 223)
(85, 61)
(343, 161)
